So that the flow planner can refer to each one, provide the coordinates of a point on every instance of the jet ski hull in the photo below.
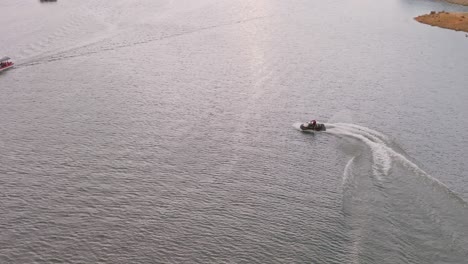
(318, 127)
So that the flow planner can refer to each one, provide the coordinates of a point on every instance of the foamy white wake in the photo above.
(377, 142)
(347, 174)
(382, 154)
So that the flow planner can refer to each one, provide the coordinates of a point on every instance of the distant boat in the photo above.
(5, 63)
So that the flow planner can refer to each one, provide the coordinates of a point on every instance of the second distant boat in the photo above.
(5, 63)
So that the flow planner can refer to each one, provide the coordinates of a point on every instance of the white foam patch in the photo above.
(297, 126)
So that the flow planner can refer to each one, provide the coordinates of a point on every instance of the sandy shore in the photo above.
(455, 21)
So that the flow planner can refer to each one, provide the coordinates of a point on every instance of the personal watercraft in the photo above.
(309, 126)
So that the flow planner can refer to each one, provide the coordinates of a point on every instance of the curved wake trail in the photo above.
(383, 155)
(382, 161)
(412, 208)
(347, 174)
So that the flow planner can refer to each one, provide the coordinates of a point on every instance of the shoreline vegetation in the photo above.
(449, 20)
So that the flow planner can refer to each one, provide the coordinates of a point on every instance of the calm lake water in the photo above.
(157, 131)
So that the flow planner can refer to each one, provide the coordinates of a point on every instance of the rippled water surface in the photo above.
(160, 131)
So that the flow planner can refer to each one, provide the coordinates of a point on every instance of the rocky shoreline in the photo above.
(449, 20)
(458, 2)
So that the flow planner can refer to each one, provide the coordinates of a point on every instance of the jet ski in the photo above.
(310, 126)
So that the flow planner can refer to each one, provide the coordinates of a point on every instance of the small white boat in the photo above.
(5, 64)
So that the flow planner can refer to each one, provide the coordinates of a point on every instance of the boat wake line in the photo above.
(112, 42)
(383, 155)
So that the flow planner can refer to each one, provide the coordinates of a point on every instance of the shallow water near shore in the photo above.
(163, 132)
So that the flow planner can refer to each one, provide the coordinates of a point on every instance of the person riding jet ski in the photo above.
(313, 125)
